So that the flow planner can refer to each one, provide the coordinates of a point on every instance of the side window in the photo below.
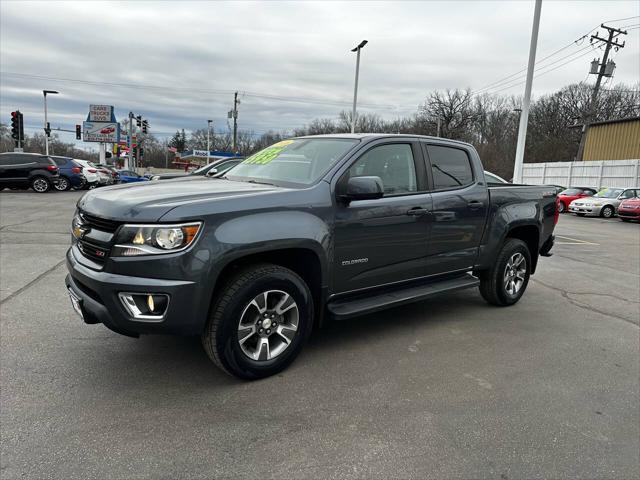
(7, 160)
(450, 167)
(628, 194)
(392, 163)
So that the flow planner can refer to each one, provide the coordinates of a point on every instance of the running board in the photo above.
(345, 309)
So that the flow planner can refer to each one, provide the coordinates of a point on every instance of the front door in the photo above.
(383, 241)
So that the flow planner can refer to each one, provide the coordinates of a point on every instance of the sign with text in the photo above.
(108, 132)
(101, 113)
(200, 153)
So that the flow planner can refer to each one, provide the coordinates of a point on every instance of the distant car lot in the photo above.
(447, 388)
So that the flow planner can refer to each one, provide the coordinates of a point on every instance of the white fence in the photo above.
(599, 173)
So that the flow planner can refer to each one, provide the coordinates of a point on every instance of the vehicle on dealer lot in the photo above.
(309, 229)
(630, 209)
(21, 171)
(90, 172)
(573, 193)
(111, 170)
(71, 175)
(129, 176)
(493, 178)
(603, 204)
(218, 167)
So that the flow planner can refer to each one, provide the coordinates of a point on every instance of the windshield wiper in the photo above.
(260, 183)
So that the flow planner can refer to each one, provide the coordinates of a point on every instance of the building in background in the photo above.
(613, 140)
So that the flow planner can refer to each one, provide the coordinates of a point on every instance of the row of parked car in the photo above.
(606, 202)
(41, 173)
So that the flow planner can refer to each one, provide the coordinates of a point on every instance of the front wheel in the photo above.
(562, 207)
(259, 322)
(63, 184)
(607, 211)
(508, 278)
(40, 184)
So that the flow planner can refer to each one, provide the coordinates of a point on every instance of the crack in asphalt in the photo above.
(565, 294)
(15, 224)
(32, 282)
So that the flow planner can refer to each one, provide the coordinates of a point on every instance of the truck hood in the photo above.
(149, 201)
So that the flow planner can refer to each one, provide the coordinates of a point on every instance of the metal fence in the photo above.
(594, 173)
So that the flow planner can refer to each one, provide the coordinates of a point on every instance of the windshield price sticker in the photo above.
(268, 154)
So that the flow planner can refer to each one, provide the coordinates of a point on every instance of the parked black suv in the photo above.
(24, 170)
(308, 229)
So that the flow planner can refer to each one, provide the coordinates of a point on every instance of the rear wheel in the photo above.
(607, 211)
(508, 278)
(63, 184)
(40, 184)
(259, 322)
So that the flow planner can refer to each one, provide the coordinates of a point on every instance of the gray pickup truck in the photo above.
(308, 230)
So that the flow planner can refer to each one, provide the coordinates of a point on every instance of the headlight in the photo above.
(133, 240)
(589, 204)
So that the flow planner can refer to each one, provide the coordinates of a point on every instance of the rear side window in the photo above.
(450, 167)
(45, 161)
(61, 161)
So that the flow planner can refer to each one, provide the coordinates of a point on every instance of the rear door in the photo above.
(460, 205)
(383, 241)
(15, 168)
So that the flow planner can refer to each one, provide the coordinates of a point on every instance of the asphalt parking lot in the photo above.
(450, 388)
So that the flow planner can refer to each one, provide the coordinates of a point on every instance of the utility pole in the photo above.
(524, 116)
(234, 114)
(604, 71)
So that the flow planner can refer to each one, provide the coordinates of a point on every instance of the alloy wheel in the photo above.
(268, 325)
(515, 273)
(40, 185)
(62, 185)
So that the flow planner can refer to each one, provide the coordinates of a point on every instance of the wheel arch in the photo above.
(530, 235)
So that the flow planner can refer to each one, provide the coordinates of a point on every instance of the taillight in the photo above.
(76, 170)
(52, 168)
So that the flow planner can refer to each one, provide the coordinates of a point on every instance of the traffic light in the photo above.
(78, 132)
(15, 125)
(145, 126)
(139, 120)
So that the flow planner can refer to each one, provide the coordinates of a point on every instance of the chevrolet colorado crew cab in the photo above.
(309, 229)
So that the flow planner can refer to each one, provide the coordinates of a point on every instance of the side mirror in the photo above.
(212, 172)
(363, 188)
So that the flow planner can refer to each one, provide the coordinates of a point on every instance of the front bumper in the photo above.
(633, 214)
(588, 211)
(97, 292)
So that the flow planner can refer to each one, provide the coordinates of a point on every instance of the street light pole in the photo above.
(47, 131)
(355, 88)
(524, 115)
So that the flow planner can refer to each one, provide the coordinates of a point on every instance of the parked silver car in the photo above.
(604, 203)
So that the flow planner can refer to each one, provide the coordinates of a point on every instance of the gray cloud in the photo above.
(200, 52)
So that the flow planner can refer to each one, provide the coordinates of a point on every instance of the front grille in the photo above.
(93, 252)
(100, 223)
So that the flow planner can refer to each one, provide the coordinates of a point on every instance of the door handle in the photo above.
(474, 204)
(417, 212)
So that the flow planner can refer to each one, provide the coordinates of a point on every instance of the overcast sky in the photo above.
(178, 63)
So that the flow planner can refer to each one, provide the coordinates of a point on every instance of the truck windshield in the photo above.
(297, 161)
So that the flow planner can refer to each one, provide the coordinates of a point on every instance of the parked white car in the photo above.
(90, 172)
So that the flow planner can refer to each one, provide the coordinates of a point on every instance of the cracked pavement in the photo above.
(449, 388)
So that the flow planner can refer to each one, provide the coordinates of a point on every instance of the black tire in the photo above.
(63, 184)
(607, 211)
(220, 337)
(562, 207)
(40, 184)
(492, 282)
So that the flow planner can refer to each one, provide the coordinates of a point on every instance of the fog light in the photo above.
(145, 306)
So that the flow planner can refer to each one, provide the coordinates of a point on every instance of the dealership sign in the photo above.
(108, 132)
(101, 113)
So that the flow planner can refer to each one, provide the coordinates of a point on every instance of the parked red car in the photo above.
(573, 193)
(629, 210)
